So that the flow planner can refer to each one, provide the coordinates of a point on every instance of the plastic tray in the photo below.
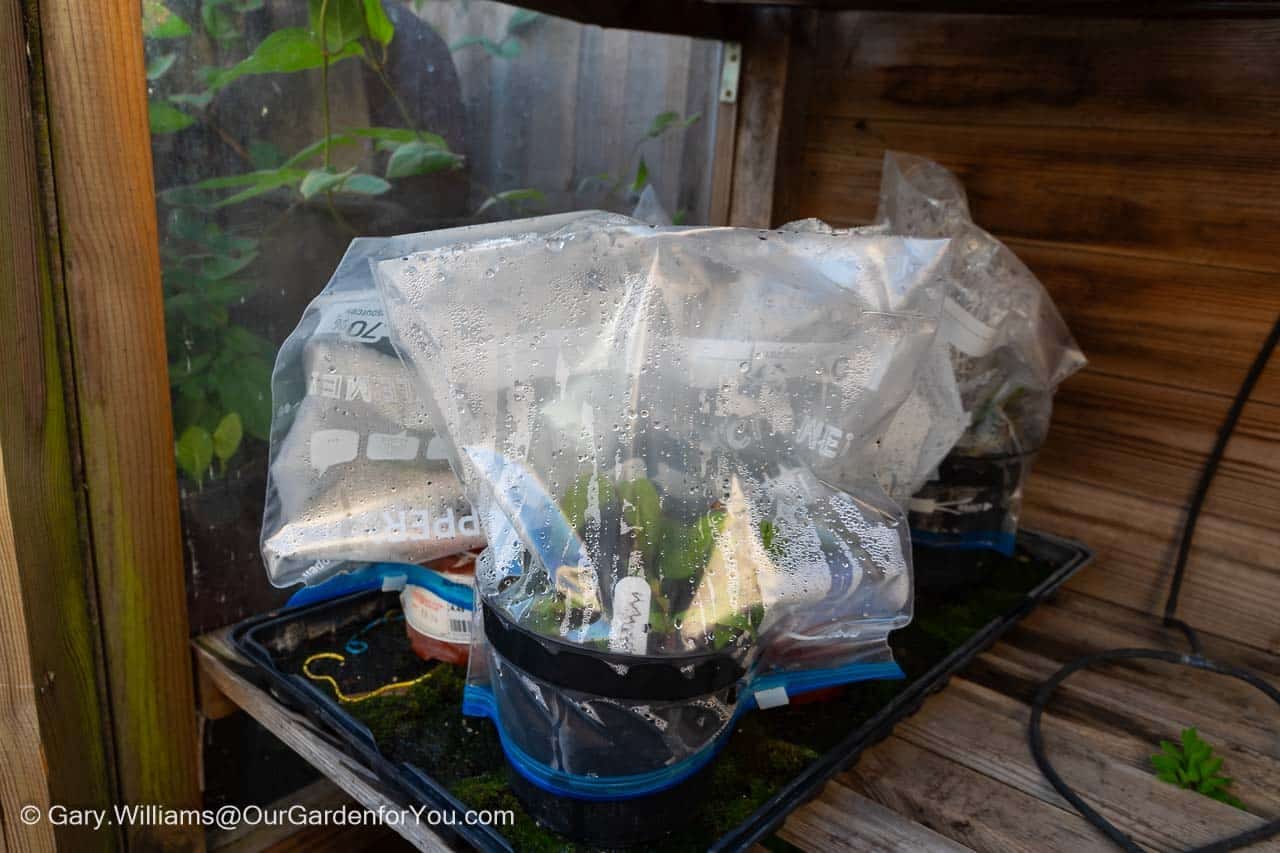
(410, 785)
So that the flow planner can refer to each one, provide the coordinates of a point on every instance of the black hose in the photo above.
(1210, 469)
(1195, 659)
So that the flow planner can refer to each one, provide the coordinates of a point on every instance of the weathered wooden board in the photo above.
(1123, 712)
(842, 819)
(24, 781)
(965, 805)
(722, 160)
(1231, 585)
(766, 56)
(986, 731)
(961, 766)
(1188, 196)
(1111, 625)
(722, 18)
(568, 114)
(1184, 325)
(321, 794)
(108, 265)
(1132, 165)
(1148, 439)
(1207, 76)
(51, 664)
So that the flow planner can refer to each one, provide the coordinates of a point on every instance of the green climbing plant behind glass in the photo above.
(220, 370)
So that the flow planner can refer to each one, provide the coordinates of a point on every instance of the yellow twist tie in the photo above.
(358, 697)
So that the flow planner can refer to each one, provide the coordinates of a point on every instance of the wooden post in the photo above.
(87, 435)
(776, 55)
(51, 665)
(722, 150)
(24, 783)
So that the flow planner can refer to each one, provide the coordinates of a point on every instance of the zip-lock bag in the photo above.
(1008, 350)
(357, 474)
(648, 422)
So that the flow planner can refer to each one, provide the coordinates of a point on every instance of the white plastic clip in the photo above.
(774, 697)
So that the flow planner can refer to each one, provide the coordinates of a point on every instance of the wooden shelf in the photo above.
(958, 775)
(727, 19)
(218, 661)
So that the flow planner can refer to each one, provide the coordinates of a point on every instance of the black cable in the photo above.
(1195, 659)
(1207, 474)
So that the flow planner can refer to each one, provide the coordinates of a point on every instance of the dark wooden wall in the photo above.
(1135, 166)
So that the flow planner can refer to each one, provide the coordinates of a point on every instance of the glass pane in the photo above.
(273, 148)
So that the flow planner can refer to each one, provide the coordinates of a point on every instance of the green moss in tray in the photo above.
(423, 725)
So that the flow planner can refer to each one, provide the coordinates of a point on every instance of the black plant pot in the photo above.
(616, 823)
(633, 746)
(945, 569)
(976, 500)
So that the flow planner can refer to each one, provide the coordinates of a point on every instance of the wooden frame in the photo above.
(85, 430)
(95, 678)
(760, 134)
(97, 644)
(727, 19)
(90, 535)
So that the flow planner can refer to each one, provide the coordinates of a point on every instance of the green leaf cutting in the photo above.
(642, 176)
(1192, 765)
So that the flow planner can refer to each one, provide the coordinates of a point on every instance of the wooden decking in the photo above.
(958, 774)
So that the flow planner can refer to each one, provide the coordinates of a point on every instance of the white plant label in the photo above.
(629, 631)
(966, 332)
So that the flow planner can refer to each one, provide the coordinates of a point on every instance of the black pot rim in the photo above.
(618, 676)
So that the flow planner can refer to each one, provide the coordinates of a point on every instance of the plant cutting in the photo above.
(981, 408)
(646, 421)
(1191, 764)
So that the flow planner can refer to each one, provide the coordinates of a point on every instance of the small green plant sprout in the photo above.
(1193, 766)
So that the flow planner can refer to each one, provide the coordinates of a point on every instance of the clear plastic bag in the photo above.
(926, 426)
(1008, 351)
(356, 471)
(648, 422)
